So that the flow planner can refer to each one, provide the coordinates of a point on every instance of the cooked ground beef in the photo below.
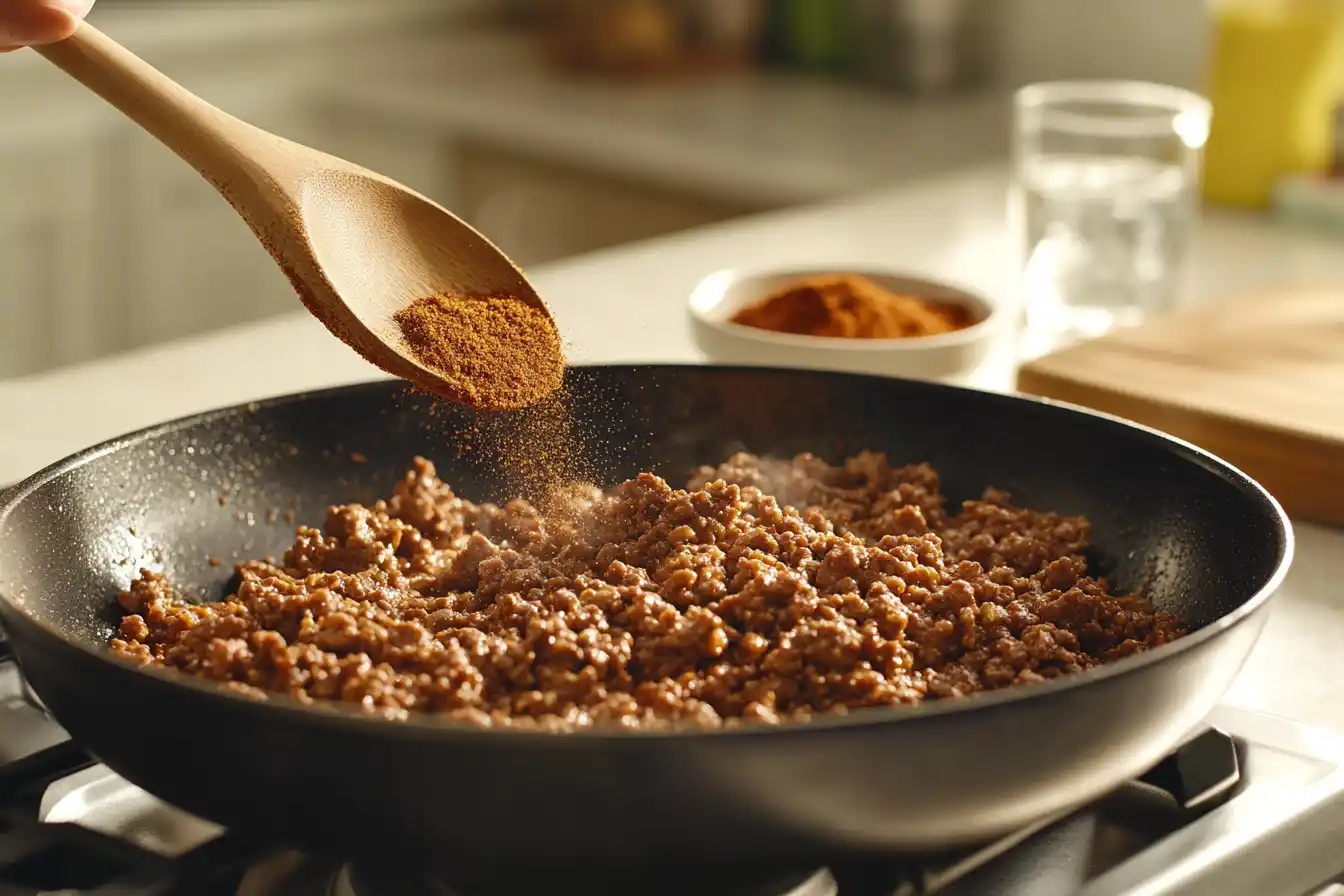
(648, 606)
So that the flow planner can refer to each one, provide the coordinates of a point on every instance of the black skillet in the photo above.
(1200, 538)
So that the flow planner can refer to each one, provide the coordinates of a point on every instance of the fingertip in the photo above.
(39, 24)
(60, 23)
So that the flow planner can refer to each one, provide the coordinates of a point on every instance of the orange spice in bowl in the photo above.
(850, 306)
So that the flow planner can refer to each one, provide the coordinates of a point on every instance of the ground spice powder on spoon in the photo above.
(493, 353)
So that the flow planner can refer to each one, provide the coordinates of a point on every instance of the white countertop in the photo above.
(628, 304)
(766, 140)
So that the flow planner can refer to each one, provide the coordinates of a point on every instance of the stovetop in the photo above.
(1252, 804)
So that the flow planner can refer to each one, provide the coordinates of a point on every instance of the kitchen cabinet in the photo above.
(420, 158)
(108, 241)
(537, 210)
(197, 265)
(192, 263)
(48, 270)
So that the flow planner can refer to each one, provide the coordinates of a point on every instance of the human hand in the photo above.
(27, 22)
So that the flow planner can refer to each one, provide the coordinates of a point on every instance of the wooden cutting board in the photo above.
(1258, 381)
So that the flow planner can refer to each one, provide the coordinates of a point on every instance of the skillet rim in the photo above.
(431, 727)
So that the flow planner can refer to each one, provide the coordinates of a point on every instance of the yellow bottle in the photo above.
(1274, 83)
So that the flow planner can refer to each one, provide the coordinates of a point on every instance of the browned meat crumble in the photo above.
(648, 606)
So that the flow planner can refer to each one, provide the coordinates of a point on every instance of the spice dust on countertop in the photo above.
(493, 353)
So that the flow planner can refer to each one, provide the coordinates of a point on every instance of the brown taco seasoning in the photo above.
(503, 353)
(539, 452)
(494, 353)
(851, 306)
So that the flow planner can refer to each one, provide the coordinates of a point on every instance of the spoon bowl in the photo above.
(358, 247)
(380, 246)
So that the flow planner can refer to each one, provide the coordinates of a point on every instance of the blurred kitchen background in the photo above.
(555, 126)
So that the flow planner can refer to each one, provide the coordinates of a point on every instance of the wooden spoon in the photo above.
(357, 246)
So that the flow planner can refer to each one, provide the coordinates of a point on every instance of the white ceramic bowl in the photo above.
(948, 356)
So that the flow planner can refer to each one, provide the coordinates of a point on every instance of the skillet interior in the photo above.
(1191, 533)
(1196, 536)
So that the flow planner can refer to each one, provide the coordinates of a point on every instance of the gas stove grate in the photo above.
(67, 858)
(71, 859)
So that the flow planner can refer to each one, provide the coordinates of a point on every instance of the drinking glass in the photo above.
(1104, 198)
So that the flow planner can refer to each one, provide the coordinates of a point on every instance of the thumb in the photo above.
(25, 22)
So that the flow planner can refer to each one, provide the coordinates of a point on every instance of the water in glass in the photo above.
(1104, 239)
(1105, 188)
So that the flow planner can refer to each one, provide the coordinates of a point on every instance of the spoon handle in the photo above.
(210, 140)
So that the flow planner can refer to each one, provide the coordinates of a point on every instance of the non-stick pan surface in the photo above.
(1196, 535)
